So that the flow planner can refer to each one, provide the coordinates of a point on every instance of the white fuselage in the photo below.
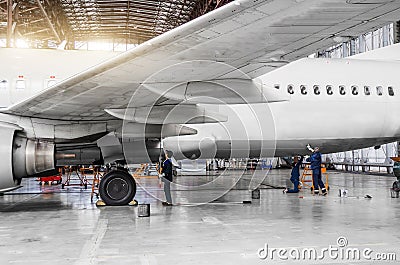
(334, 122)
(27, 72)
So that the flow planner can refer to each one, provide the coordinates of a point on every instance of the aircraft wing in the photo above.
(240, 41)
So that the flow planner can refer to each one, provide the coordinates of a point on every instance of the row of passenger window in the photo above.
(341, 89)
(21, 83)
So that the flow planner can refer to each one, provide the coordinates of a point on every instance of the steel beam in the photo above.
(53, 29)
(204, 6)
(133, 20)
(9, 22)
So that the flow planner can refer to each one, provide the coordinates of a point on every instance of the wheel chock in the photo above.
(100, 203)
(133, 203)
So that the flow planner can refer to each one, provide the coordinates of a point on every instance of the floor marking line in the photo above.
(89, 250)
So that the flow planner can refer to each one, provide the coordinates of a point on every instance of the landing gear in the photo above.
(117, 187)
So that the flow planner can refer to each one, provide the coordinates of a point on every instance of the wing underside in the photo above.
(241, 40)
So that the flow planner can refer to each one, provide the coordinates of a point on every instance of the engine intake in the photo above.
(31, 157)
(22, 157)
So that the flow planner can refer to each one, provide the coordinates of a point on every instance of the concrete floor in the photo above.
(48, 225)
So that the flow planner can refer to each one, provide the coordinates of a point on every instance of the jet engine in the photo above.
(22, 157)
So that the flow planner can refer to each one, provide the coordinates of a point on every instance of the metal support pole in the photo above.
(362, 160)
(398, 149)
(345, 51)
(372, 40)
(396, 32)
(9, 22)
(362, 44)
(385, 37)
(352, 47)
(387, 159)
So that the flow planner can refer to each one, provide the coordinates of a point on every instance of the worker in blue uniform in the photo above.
(295, 175)
(166, 177)
(315, 159)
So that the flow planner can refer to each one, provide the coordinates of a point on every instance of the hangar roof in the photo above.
(130, 21)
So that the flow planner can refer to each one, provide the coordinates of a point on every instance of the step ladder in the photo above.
(306, 179)
(97, 175)
(144, 172)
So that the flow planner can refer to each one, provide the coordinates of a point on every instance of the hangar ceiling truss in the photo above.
(132, 21)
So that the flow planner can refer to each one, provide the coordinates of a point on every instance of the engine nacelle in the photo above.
(22, 157)
(79, 156)
(142, 151)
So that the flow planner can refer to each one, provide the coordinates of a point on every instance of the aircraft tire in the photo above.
(117, 188)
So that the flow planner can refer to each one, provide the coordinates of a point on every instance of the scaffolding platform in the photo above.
(74, 173)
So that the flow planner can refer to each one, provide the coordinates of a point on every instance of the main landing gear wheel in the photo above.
(117, 187)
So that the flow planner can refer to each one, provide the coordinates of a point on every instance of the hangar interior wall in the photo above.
(373, 158)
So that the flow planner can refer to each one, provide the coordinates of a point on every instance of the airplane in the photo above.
(236, 82)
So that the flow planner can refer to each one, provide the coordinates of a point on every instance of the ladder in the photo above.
(143, 172)
(97, 175)
(306, 179)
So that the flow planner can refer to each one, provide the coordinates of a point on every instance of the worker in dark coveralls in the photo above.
(295, 175)
(315, 159)
(166, 177)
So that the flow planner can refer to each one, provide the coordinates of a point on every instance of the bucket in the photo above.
(343, 193)
(255, 194)
(143, 210)
(394, 193)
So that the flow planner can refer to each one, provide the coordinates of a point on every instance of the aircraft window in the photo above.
(342, 90)
(20, 84)
(379, 91)
(3, 84)
(391, 91)
(277, 86)
(303, 90)
(329, 90)
(51, 82)
(354, 90)
(367, 90)
(317, 91)
(290, 89)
